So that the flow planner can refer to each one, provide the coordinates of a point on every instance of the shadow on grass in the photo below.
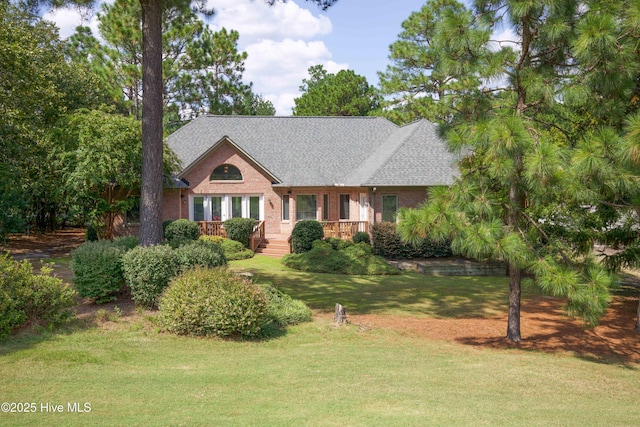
(410, 294)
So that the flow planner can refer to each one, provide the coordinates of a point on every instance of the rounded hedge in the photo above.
(213, 302)
(97, 269)
(362, 237)
(26, 297)
(304, 234)
(147, 271)
(181, 229)
(200, 253)
(240, 229)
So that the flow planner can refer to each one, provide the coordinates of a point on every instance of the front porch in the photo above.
(344, 230)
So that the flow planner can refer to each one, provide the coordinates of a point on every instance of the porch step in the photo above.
(274, 248)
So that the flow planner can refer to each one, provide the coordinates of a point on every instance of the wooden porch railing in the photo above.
(211, 228)
(257, 236)
(343, 229)
(216, 228)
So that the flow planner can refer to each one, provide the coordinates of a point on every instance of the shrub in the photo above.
(354, 259)
(165, 223)
(240, 229)
(304, 234)
(234, 250)
(214, 239)
(200, 253)
(31, 298)
(387, 243)
(179, 241)
(362, 261)
(90, 234)
(361, 236)
(126, 242)
(97, 270)
(147, 271)
(213, 302)
(181, 229)
(284, 310)
(320, 259)
(337, 243)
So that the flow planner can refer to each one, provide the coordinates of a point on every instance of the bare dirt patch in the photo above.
(543, 323)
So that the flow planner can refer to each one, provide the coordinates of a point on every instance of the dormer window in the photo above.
(226, 172)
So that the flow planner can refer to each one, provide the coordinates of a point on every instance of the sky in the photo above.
(284, 40)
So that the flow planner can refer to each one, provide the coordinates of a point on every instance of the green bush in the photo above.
(361, 236)
(200, 253)
(31, 298)
(240, 229)
(213, 302)
(388, 244)
(232, 250)
(165, 223)
(147, 271)
(97, 270)
(284, 310)
(90, 234)
(304, 234)
(337, 243)
(235, 250)
(126, 242)
(320, 259)
(356, 259)
(176, 242)
(181, 229)
(362, 261)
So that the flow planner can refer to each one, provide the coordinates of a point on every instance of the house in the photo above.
(348, 172)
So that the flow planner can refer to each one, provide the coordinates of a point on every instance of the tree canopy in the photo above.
(341, 94)
(533, 169)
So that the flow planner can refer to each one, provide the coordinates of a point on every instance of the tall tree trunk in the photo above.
(513, 322)
(151, 191)
(516, 202)
(638, 319)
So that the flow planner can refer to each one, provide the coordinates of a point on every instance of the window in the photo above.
(236, 207)
(344, 206)
(325, 207)
(216, 208)
(224, 206)
(285, 207)
(306, 207)
(198, 208)
(226, 172)
(254, 207)
(389, 207)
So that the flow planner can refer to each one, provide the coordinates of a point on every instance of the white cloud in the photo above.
(277, 68)
(255, 20)
(68, 18)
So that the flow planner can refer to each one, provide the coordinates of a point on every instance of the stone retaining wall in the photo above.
(452, 267)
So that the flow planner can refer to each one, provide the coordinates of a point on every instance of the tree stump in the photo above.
(340, 316)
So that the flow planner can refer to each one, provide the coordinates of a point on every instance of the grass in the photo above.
(410, 294)
(315, 374)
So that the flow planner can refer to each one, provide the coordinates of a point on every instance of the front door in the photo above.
(364, 207)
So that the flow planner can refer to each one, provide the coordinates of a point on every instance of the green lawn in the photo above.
(315, 374)
(410, 294)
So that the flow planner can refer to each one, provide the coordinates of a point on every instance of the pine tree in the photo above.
(499, 104)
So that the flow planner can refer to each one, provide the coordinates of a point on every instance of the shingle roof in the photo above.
(321, 151)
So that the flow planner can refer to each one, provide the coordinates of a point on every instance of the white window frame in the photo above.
(226, 205)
